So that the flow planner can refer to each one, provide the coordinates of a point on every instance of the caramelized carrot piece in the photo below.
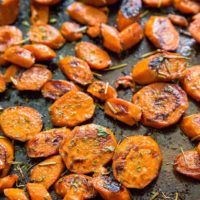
(47, 35)
(2, 83)
(20, 122)
(8, 181)
(162, 33)
(48, 171)
(137, 161)
(96, 57)
(131, 35)
(46, 143)
(41, 52)
(178, 20)
(33, 78)
(197, 16)
(157, 3)
(10, 73)
(15, 194)
(99, 2)
(48, 2)
(90, 149)
(76, 196)
(101, 90)
(164, 66)
(72, 109)
(191, 82)
(71, 31)
(129, 13)
(9, 35)
(111, 39)
(38, 191)
(110, 189)
(19, 56)
(39, 13)
(194, 29)
(54, 89)
(93, 31)
(65, 186)
(188, 164)
(9, 10)
(190, 125)
(162, 104)
(123, 111)
(76, 70)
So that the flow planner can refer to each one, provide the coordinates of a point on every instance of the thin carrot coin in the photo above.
(91, 148)
(15, 194)
(72, 109)
(157, 3)
(8, 181)
(162, 104)
(137, 161)
(93, 31)
(20, 122)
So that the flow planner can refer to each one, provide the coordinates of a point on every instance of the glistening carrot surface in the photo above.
(10, 72)
(15, 194)
(157, 3)
(8, 181)
(194, 29)
(2, 83)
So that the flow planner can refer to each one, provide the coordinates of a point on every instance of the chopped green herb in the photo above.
(26, 23)
(109, 149)
(176, 196)
(101, 132)
(116, 67)
(53, 20)
(154, 196)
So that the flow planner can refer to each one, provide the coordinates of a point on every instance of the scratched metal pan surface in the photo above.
(170, 139)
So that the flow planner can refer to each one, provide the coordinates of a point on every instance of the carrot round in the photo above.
(164, 66)
(72, 109)
(9, 11)
(19, 56)
(178, 20)
(41, 52)
(20, 122)
(101, 90)
(9, 35)
(137, 161)
(194, 29)
(93, 31)
(54, 89)
(2, 83)
(129, 13)
(161, 32)
(46, 34)
(66, 186)
(33, 78)
(47, 2)
(162, 104)
(190, 125)
(91, 148)
(96, 57)
(76, 70)
(157, 3)
(191, 82)
(48, 171)
(8, 181)
(46, 143)
(15, 194)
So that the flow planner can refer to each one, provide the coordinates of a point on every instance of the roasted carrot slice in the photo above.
(46, 34)
(76, 70)
(137, 161)
(197, 16)
(20, 122)
(33, 78)
(41, 52)
(10, 73)
(9, 35)
(85, 14)
(191, 82)
(178, 20)
(48, 2)
(2, 83)
(131, 35)
(15, 194)
(71, 31)
(161, 32)
(111, 39)
(123, 111)
(96, 57)
(190, 125)
(6, 156)
(8, 181)
(9, 10)
(72, 109)
(54, 89)
(194, 29)
(101, 90)
(162, 104)
(157, 3)
(67, 186)
(110, 189)
(188, 164)
(38, 191)
(39, 13)
(128, 13)
(164, 66)
(19, 56)
(91, 148)
(48, 171)
(93, 31)
(187, 6)
(46, 143)
(99, 2)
